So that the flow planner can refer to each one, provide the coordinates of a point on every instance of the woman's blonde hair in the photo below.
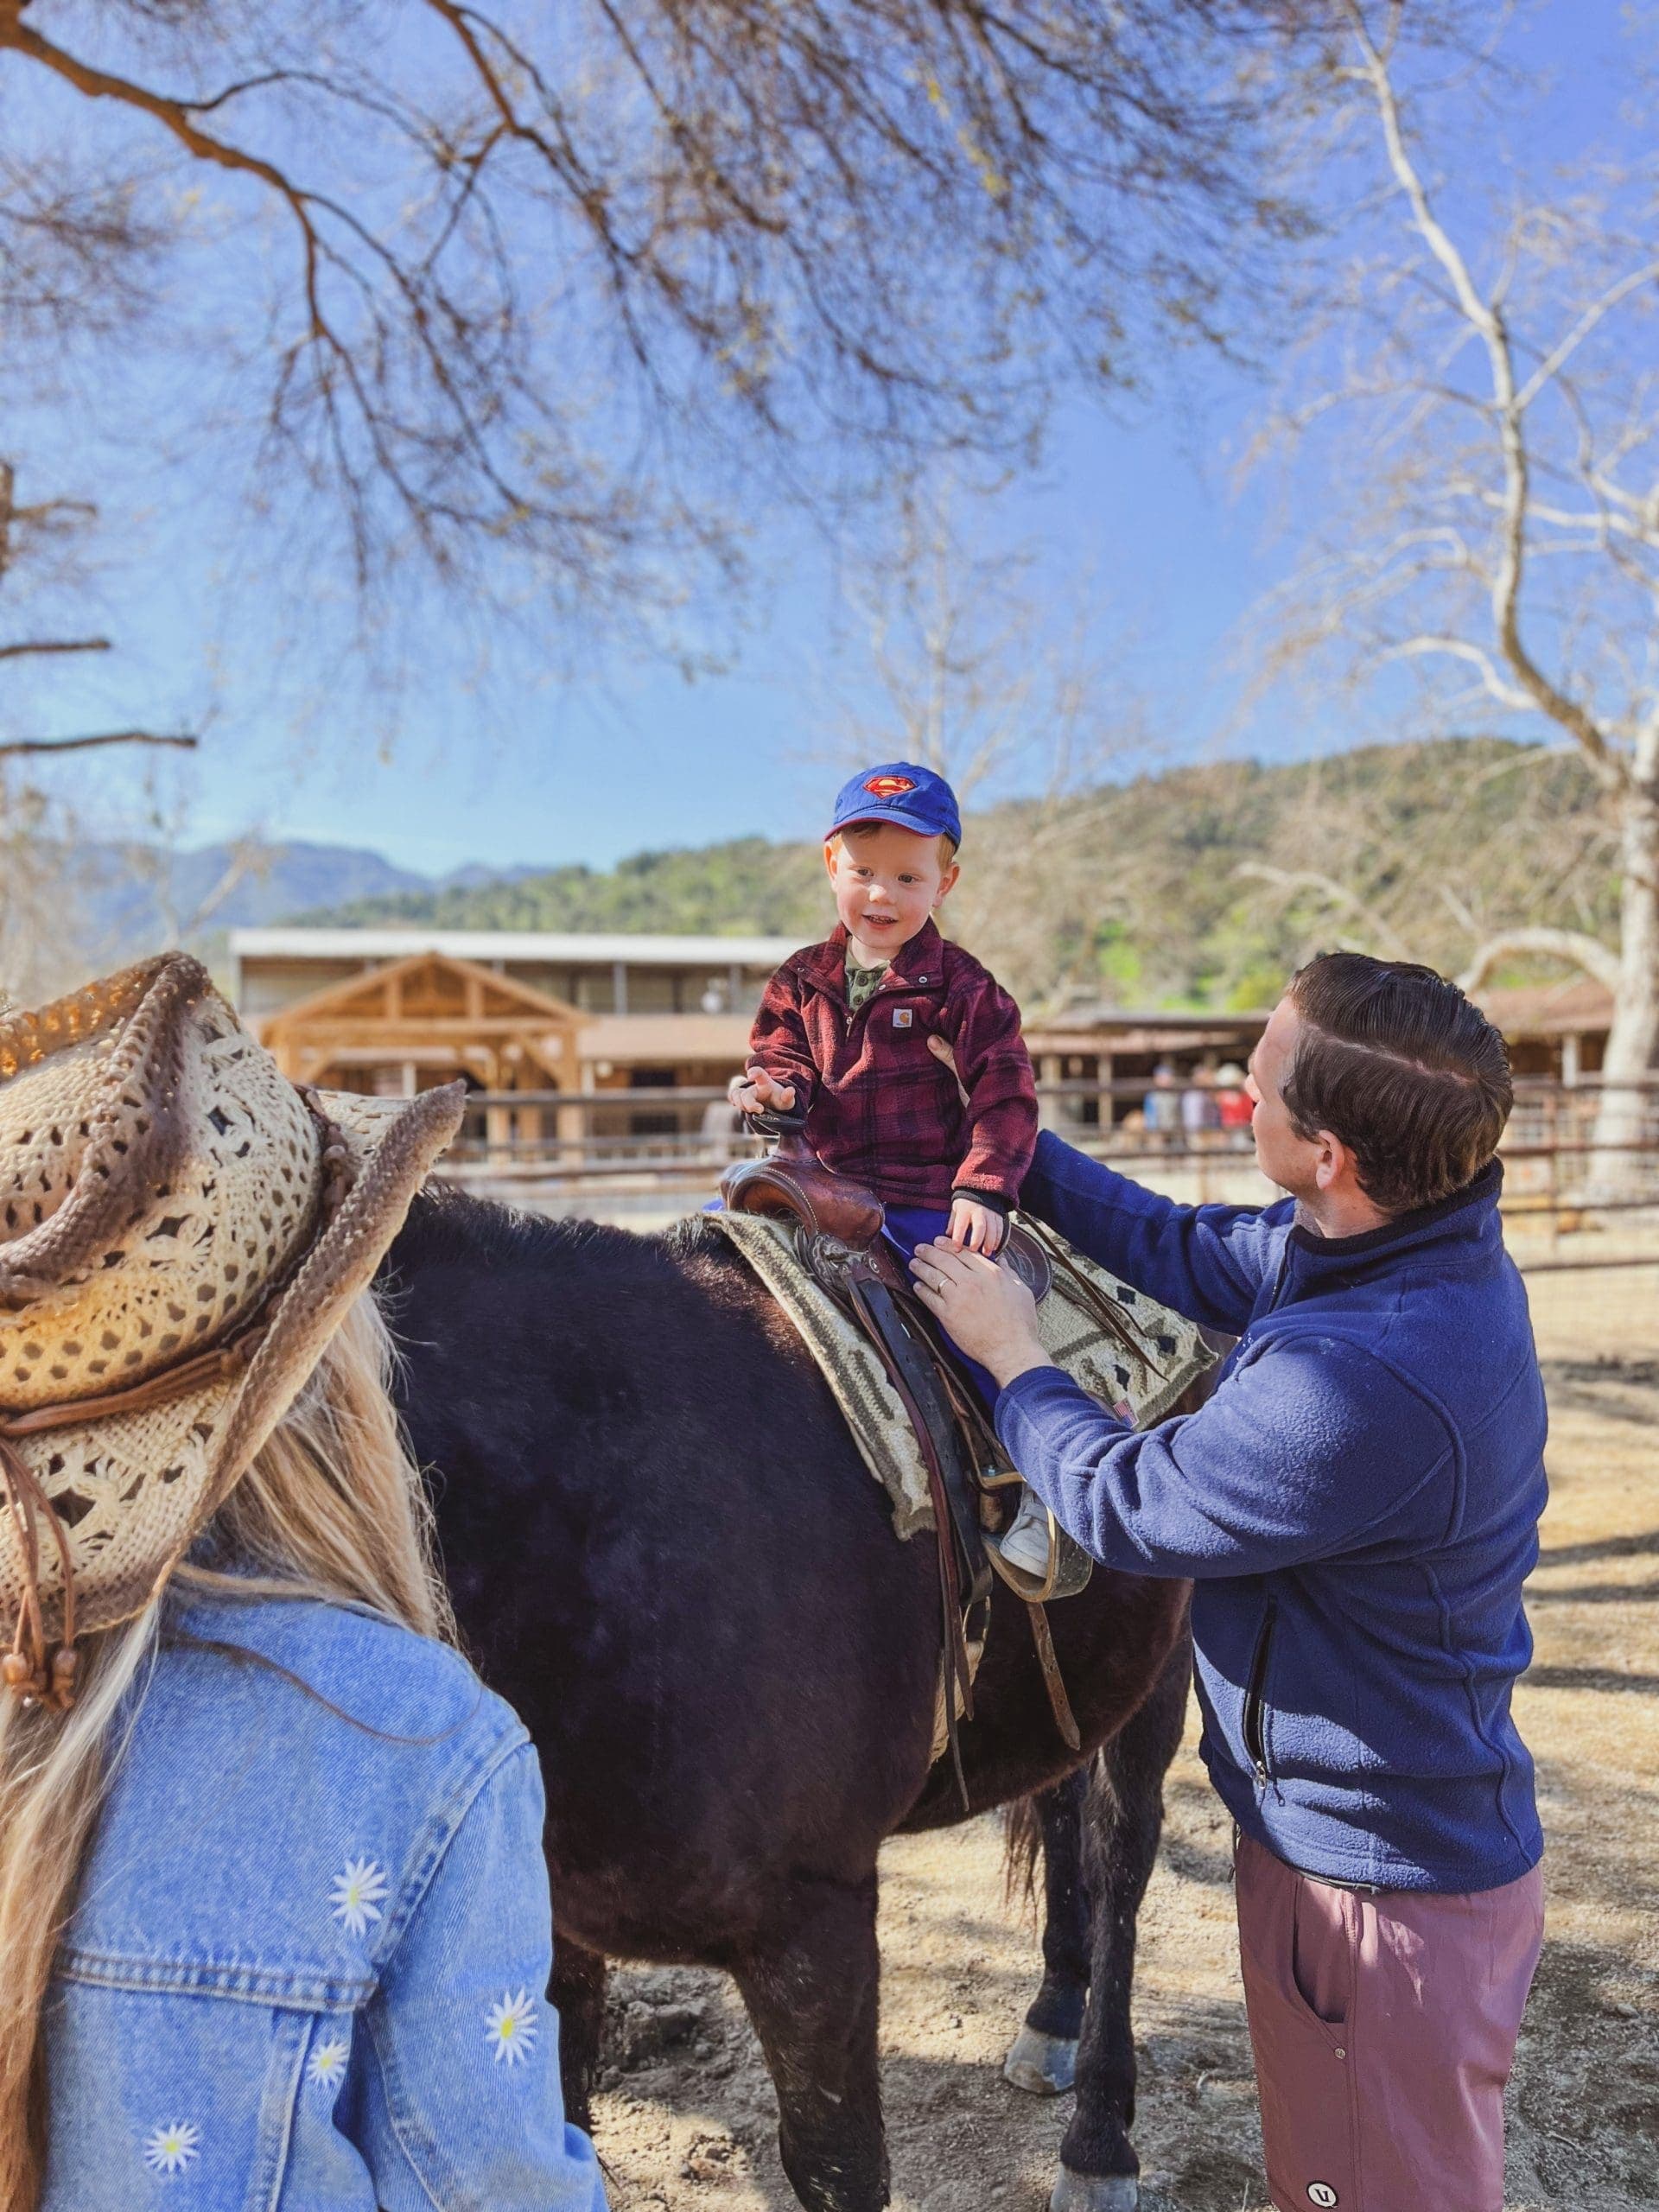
(331, 1508)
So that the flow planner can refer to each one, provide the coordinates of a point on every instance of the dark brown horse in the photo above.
(665, 1551)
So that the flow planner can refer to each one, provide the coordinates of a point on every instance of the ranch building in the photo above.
(606, 1042)
(560, 1035)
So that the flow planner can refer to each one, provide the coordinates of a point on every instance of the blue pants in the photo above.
(906, 1228)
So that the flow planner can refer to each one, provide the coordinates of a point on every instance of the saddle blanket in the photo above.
(1175, 1354)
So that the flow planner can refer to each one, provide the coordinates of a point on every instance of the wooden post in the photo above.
(570, 1125)
(1051, 1113)
(530, 1122)
(498, 1119)
(497, 1132)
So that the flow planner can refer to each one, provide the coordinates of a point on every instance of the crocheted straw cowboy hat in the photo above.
(182, 1231)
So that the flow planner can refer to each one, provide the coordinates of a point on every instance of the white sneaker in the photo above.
(1025, 1544)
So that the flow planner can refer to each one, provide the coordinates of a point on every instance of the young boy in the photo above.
(843, 1033)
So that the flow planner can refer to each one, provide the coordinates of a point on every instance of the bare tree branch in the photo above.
(1342, 896)
(1489, 324)
(20, 748)
(1593, 316)
(1587, 953)
(32, 646)
(557, 248)
(1507, 695)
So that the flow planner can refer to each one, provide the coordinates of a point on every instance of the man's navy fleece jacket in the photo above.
(1357, 1504)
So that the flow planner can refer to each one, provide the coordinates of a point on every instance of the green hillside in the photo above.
(726, 890)
(1200, 887)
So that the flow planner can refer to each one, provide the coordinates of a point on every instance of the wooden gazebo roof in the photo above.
(434, 1008)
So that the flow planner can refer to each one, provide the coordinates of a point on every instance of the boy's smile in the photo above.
(888, 883)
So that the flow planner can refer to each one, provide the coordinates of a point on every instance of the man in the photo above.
(1358, 1505)
(1160, 1109)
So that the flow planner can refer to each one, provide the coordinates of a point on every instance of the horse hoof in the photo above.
(1044, 2066)
(1095, 2192)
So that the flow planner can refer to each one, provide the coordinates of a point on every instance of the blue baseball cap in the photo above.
(911, 797)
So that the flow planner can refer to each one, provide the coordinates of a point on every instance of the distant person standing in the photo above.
(1161, 1108)
(1233, 1106)
(1199, 1113)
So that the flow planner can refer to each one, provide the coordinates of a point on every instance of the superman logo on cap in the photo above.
(890, 786)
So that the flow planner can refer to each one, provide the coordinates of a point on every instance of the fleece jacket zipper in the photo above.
(1255, 1701)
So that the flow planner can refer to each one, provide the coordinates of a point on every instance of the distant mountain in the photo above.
(1200, 887)
(129, 899)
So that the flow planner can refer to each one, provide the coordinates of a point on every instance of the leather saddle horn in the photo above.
(793, 1185)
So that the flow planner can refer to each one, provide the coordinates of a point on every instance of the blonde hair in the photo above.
(331, 1508)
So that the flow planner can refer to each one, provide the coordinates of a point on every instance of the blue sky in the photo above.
(1135, 508)
(1125, 522)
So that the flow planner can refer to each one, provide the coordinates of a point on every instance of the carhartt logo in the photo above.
(890, 786)
(901, 1016)
(1322, 2194)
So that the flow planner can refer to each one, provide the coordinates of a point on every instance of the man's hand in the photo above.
(986, 1307)
(974, 1227)
(755, 1092)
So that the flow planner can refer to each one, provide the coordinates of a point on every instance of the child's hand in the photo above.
(974, 1227)
(758, 1094)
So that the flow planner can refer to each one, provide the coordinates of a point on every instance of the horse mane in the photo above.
(446, 1223)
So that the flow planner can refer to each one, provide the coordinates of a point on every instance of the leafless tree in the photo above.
(40, 543)
(1437, 853)
(975, 667)
(1479, 440)
(33, 537)
(505, 278)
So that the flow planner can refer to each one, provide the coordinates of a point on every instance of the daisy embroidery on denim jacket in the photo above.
(356, 1895)
(510, 2028)
(171, 2149)
(327, 2064)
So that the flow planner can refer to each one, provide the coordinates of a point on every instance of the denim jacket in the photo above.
(308, 1963)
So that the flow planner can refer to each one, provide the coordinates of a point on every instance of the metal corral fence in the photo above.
(1571, 1198)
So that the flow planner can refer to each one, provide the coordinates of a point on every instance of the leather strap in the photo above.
(1053, 1681)
(870, 1302)
(1082, 1293)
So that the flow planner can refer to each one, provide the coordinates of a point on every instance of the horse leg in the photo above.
(1043, 2059)
(577, 1994)
(812, 1998)
(1123, 1821)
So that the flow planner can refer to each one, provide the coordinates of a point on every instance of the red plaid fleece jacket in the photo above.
(879, 1106)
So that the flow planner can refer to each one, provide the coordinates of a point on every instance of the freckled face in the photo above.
(887, 882)
(1284, 1157)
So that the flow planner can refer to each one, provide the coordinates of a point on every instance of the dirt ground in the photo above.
(685, 2122)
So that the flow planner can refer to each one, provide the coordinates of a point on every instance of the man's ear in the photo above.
(1336, 1166)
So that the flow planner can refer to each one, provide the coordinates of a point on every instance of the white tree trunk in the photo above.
(1628, 1110)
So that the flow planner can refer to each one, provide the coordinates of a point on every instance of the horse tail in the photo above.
(1023, 1844)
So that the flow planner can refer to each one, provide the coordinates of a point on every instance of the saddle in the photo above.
(837, 1226)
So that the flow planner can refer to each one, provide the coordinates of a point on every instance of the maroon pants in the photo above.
(1384, 2025)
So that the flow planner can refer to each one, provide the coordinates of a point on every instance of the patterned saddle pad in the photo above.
(1172, 1355)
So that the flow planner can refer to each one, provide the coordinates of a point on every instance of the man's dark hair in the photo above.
(1397, 1062)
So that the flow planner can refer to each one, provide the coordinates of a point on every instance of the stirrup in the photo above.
(1069, 1568)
